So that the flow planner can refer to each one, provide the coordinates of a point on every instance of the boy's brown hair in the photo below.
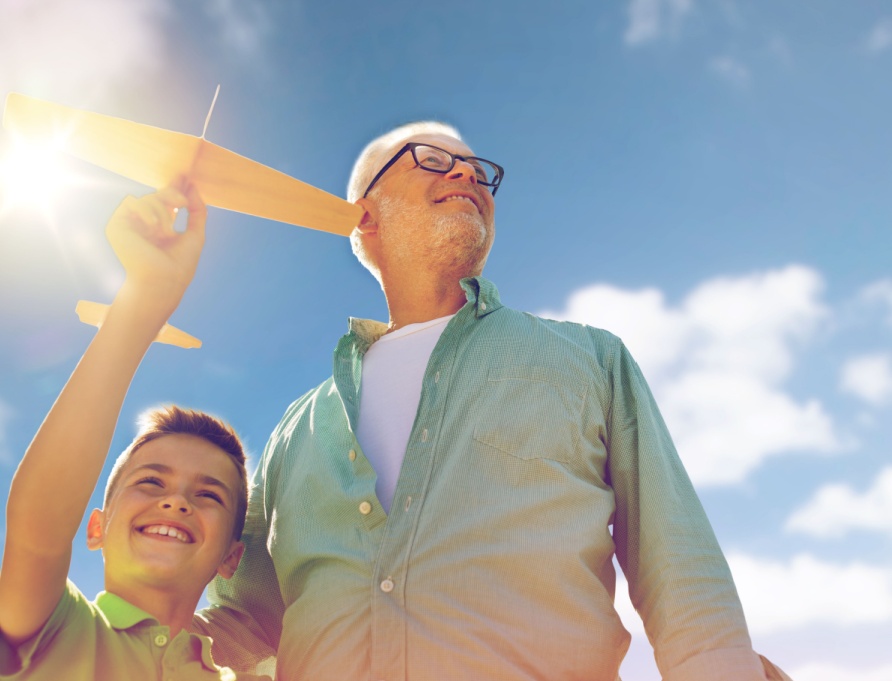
(172, 420)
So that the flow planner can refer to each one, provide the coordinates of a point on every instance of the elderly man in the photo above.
(447, 505)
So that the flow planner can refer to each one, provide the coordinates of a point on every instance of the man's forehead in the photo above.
(447, 142)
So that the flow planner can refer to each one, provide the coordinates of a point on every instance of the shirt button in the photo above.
(387, 585)
(352, 455)
(424, 435)
(161, 640)
(482, 306)
(365, 508)
(437, 377)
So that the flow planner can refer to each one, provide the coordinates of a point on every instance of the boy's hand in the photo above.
(159, 261)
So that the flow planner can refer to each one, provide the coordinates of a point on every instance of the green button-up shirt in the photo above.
(109, 640)
(536, 453)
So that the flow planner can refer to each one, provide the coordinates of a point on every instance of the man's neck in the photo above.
(422, 299)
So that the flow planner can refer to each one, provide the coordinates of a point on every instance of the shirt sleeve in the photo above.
(679, 580)
(245, 615)
(15, 660)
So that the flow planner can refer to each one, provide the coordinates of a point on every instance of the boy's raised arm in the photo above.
(54, 481)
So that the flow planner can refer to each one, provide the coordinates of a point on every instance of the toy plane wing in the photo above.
(156, 157)
(94, 313)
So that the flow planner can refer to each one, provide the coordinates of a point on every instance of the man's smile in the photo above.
(461, 196)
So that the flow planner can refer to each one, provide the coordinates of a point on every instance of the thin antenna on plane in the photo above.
(208, 119)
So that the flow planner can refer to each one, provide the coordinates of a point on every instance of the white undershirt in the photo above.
(392, 371)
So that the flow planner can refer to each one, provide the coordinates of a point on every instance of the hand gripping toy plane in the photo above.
(156, 157)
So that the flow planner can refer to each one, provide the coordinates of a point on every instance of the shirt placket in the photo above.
(390, 604)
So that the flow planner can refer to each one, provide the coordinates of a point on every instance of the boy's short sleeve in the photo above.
(15, 660)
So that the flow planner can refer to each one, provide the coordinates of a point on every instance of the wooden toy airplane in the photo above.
(156, 157)
(94, 313)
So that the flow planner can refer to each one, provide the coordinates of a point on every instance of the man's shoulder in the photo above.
(559, 330)
(304, 404)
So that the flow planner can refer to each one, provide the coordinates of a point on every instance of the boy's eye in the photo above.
(211, 495)
(150, 481)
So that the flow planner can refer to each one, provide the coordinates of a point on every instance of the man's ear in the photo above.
(95, 534)
(369, 223)
(230, 562)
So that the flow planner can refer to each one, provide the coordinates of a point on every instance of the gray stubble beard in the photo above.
(457, 242)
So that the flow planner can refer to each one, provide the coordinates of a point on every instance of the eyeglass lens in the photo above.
(440, 161)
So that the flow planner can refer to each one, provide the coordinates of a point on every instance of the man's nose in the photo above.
(462, 169)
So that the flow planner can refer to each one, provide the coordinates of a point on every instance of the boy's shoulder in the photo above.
(106, 638)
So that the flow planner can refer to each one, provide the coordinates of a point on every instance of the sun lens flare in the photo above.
(33, 176)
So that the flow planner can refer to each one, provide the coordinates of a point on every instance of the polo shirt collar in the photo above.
(121, 614)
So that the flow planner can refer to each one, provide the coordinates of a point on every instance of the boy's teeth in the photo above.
(167, 531)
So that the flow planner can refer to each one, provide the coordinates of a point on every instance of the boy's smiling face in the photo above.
(170, 520)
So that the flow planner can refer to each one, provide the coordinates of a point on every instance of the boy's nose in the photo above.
(177, 502)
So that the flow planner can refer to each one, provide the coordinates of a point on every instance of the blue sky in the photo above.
(710, 181)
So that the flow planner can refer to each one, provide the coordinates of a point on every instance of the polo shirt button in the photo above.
(482, 306)
(365, 508)
(424, 435)
(161, 640)
(437, 377)
(387, 585)
(352, 455)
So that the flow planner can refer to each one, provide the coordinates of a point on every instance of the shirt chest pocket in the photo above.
(531, 413)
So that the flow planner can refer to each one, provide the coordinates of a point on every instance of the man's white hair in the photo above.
(377, 152)
(370, 161)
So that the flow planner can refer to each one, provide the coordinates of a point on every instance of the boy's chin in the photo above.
(157, 575)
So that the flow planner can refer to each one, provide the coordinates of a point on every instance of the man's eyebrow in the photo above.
(167, 470)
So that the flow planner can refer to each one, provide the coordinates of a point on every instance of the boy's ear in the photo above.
(230, 562)
(95, 535)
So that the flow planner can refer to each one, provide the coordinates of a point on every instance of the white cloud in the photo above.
(717, 363)
(830, 672)
(731, 70)
(787, 595)
(782, 596)
(879, 292)
(880, 37)
(630, 618)
(836, 509)
(649, 19)
(868, 377)
(243, 25)
(78, 51)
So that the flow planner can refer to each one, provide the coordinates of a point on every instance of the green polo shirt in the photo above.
(109, 640)
(537, 454)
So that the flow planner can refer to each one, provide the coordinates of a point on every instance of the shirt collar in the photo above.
(481, 294)
(121, 614)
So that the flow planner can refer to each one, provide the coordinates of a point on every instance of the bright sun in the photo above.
(32, 176)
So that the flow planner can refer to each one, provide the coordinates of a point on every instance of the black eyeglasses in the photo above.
(441, 161)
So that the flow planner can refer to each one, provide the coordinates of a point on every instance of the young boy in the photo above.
(175, 503)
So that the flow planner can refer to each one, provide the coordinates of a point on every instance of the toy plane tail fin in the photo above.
(94, 313)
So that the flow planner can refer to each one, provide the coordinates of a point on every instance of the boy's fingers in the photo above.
(171, 196)
(197, 211)
(194, 202)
